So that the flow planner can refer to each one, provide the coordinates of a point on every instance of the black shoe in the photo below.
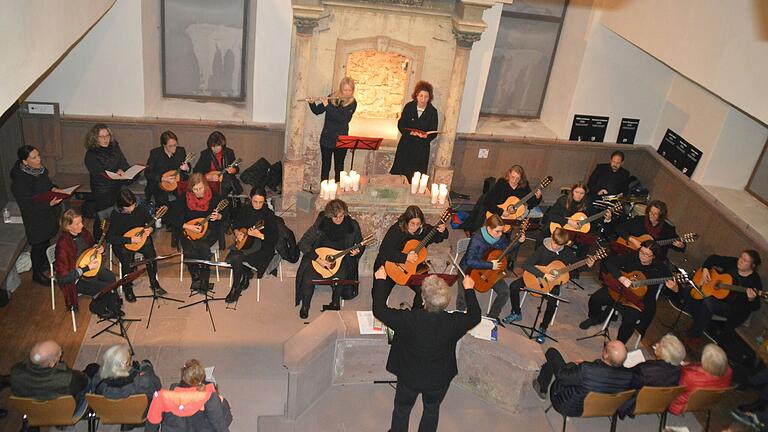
(232, 297)
(157, 289)
(304, 312)
(41, 279)
(195, 286)
(542, 394)
(589, 322)
(246, 280)
(130, 297)
(331, 306)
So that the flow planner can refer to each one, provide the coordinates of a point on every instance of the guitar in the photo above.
(685, 238)
(401, 272)
(202, 222)
(559, 270)
(92, 253)
(219, 174)
(485, 279)
(634, 294)
(243, 240)
(579, 222)
(174, 175)
(335, 257)
(514, 207)
(719, 286)
(141, 231)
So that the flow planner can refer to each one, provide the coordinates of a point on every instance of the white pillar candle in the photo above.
(415, 182)
(356, 182)
(423, 183)
(351, 180)
(332, 188)
(442, 194)
(344, 180)
(435, 193)
(323, 188)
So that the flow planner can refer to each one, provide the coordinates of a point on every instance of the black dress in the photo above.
(158, 163)
(261, 251)
(413, 152)
(201, 248)
(208, 162)
(98, 160)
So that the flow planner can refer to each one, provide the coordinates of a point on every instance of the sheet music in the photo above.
(486, 330)
(368, 324)
(70, 190)
(634, 358)
(127, 175)
(209, 374)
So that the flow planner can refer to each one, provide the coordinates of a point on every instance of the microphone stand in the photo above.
(208, 295)
(155, 296)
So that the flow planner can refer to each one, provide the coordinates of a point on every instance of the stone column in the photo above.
(443, 173)
(293, 164)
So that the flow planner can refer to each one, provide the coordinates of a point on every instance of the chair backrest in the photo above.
(51, 253)
(55, 412)
(119, 411)
(273, 263)
(703, 399)
(461, 245)
(653, 400)
(604, 404)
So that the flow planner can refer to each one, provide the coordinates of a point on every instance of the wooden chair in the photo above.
(603, 405)
(127, 411)
(704, 399)
(56, 412)
(656, 400)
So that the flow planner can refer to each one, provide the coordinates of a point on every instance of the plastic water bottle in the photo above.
(6, 215)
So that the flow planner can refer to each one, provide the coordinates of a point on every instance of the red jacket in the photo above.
(694, 377)
(66, 262)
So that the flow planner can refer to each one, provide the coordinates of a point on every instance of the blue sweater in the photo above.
(478, 246)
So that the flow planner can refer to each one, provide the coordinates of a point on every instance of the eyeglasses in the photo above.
(105, 136)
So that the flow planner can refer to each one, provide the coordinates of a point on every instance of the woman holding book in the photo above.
(418, 118)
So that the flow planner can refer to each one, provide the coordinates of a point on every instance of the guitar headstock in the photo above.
(222, 205)
(763, 295)
(259, 225)
(369, 239)
(617, 206)
(600, 253)
(189, 157)
(680, 278)
(160, 212)
(104, 230)
(445, 215)
(689, 237)
(237, 162)
(546, 182)
(524, 226)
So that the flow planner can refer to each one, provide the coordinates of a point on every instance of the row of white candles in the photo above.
(439, 193)
(419, 185)
(347, 182)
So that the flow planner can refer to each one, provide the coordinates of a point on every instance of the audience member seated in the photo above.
(712, 372)
(191, 405)
(120, 378)
(755, 414)
(44, 376)
(664, 371)
(574, 380)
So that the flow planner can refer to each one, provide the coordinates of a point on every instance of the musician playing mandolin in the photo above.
(127, 215)
(409, 226)
(170, 156)
(653, 223)
(215, 163)
(514, 183)
(737, 306)
(258, 243)
(334, 228)
(647, 261)
(487, 238)
(200, 201)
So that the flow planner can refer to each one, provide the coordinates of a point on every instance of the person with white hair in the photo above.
(713, 372)
(423, 353)
(120, 377)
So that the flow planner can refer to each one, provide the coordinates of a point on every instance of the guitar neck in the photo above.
(595, 216)
(574, 266)
(525, 199)
(667, 242)
(345, 251)
(511, 245)
(654, 281)
(730, 287)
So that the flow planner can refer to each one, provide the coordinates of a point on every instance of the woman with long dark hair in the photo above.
(418, 117)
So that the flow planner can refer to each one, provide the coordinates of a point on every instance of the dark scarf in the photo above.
(335, 232)
(654, 231)
(107, 156)
(199, 204)
(34, 172)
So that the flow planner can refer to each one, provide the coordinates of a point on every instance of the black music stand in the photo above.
(118, 320)
(208, 294)
(357, 142)
(154, 296)
(605, 332)
(532, 330)
(334, 283)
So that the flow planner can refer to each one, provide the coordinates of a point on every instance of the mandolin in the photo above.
(627, 244)
(485, 279)
(335, 257)
(173, 176)
(242, 239)
(401, 272)
(559, 270)
(514, 207)
(141, 231)
(580, 222)
(92, 253)
(719, 286)
(217, 175)
(633, 296)
(203, 222)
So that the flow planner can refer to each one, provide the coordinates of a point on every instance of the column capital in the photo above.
(466, 39)
(305, 25)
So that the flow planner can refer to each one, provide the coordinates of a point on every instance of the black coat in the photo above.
(207, 161)
(98, 160)
(337, 120)
(141, 380)
(41, 221)
(635, 227)
(157, 164)
(261, 251)
(652, 373)
(499, 193)
(603, 177)
(391, 247)
(574, 381)
(44, 383)
(413, 152)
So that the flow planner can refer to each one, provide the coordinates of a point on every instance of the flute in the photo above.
(320, 98)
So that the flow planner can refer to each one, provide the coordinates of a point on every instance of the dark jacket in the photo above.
(157, 164)
(544, 255)
(65, 266)
(337, 118)
(141, 380)
(603, 177)
(391, 247)
(501, 191)
(652, 373)
(40, 219)
(214, 227)
(208, 162)
(560, 212)
(120, 223)
(423, 352)
(413, 152)
(636, 227)
(318, 235)
(574, 381)
(739, 302)
(42, 383)
(101, 159)
(214, 415)
(261, 251)
(474, 258)
(616, 264)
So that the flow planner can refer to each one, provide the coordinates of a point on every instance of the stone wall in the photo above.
(380, 79)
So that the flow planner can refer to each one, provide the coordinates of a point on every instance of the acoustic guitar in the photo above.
(220, 174)
(202, 222)
(633, 295)
(559, 270)
(243, 240)
(335, 257)
(141, 231)
(173, 176)
(401, 272)
(514, 207)
(719, 286)
(626, 244)
(485, 279)
(92, 253)
(580, 222)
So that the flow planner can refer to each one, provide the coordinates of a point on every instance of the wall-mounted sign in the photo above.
(682, 154)
(627, 131)
(588, 128)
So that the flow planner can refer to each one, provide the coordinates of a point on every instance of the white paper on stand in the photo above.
(129, 174)
(486, 329)
(209, 374)
(634, 357)
(368, 324)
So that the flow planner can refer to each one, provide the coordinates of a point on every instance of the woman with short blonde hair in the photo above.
(712, 373)
(338, 110)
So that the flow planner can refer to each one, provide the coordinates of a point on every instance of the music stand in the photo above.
(334, 283)
(208, 294)
(357, 142)
(154, 294)
(118, 320)
(605, 331)
(532, 330)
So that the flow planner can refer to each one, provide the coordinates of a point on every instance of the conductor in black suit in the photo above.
(610, 178)
(423, 353)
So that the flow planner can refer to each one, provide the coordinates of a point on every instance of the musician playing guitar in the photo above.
(126, 215)
(259, 243)
(489, 237)
(653, 223)
(169, 156)
(334, 228)
(647, 261)
(514, 183)
(551, 249)
(737, 306)
(409, 226)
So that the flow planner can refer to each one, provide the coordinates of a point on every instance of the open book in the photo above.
(421, 131)
(50, 195)
(129, 174)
